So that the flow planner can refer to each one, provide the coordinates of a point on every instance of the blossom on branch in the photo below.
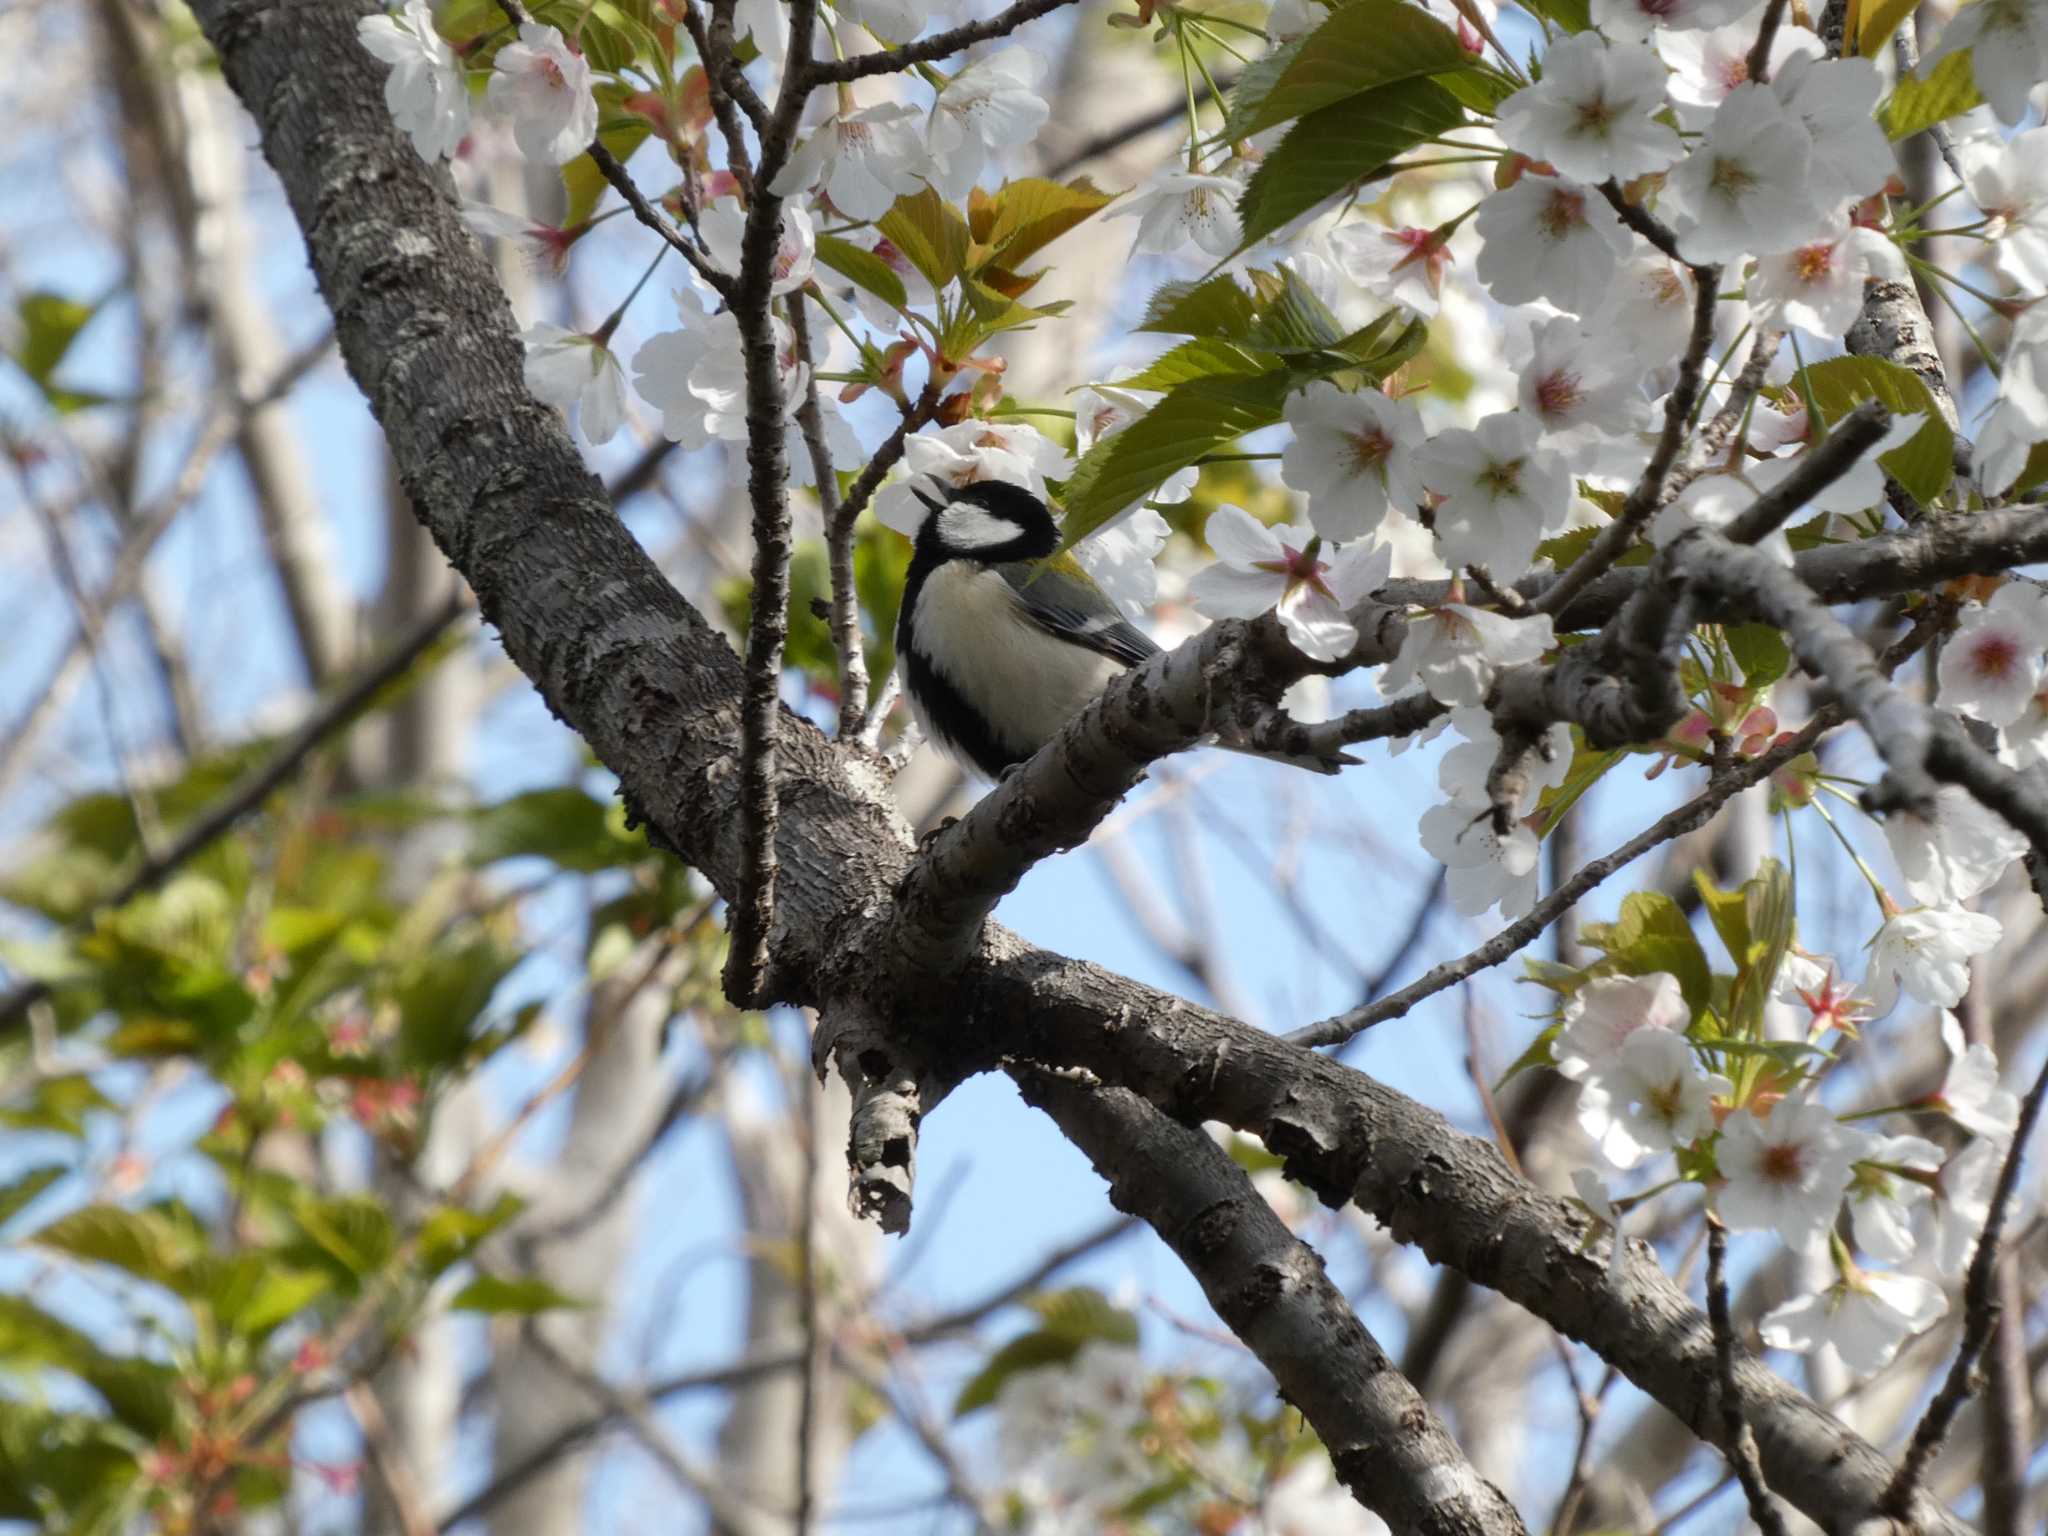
(1260, 569)
(724, 224)
(543, 86)
(1745, 186)
(1864, 1317)
(1953, 851)
(962, 455)
(1455, 650)
(426, 92)
(1501, 492)
(1549, 238)
(1353, 456)
(1177, 207)
(1591, 115)
(1927, 951)
(862, 160)
(990, 105)
(573, 370)
(1787, 1171)
(1818, 286)
(1403, 266)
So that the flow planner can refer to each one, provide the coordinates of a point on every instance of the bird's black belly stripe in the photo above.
(953, 718)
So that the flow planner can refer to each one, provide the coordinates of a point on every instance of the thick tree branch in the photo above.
(1741, 1444)
(1270, 1288)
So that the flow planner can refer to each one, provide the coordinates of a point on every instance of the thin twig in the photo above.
(1816, 470)
(848, 644)
(925, 51)
(1980, 1312)
(1741, 1443)
(393, 1467)
(1759, 61)
(1512, 939)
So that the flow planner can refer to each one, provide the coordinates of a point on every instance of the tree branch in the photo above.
(1271, 1290)
(925, 51)
(1740, 1444)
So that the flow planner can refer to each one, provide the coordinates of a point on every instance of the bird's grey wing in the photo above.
(1075, 609)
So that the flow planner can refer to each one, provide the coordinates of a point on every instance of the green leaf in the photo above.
(1201, 357)
(1925, 464)
(144, 1244)
(1652, 935)
(1255, 83)
(565, 826)
(1194, 419)
(442, 992)
(353, 1231)
(523, 1296)
(278, 1295)
(1919, 102)
(1215, 307)
(930, 233)
(622, 134)
(1364, 44)
(1027, 1352)
(1022, 217)
(1538, 1054)
(453, 1232)
(1339, 147)
(1291, 318)
(1761, 652)
(864, 269)
(1572, 15)
(50, 322)
(1083, 1313)
(1587, 769)
(21, 1191)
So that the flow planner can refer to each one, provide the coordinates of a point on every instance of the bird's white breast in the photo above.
(974, 630)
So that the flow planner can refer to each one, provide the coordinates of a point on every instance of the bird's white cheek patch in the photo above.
(968, 527)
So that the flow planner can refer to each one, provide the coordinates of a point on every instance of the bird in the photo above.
(1001, 637)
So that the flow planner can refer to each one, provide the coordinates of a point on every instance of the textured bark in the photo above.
(653, 689)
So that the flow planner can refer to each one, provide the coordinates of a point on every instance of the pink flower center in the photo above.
(1784, 1162)
(1564, 212)
(551, 73)
(1594, 118)
(1734, 71)
(1993, 656)
(1811, 263)
(1301, 568)
(1559, 392)
(1369, 449)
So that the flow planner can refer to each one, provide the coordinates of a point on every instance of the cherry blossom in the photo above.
(1258, 569)
(1602, 1014)
(1970, 1094)
(1881, 1199)
(1103, 410)
(1353, 456)
(724, 225)
(1638, 20)
(425, 92)
(1744, 188)
(863, 160)
(1927, 951)
(895, 21)
(1177, 207)
(1122, 556)
(2008, 44)
(1818, 286)
(2009, 182)
(1707, 64)
(1864, 1317)
(1578, 387)
(1648, 1097)
(696, 375)
(1787, 1171)
(1836, 99)
(958, 456)
(1501, 493)
(575, 370)
(1403, 266)
(1953, 851)
(543, 86)
(1646, 312)
(767, 22)
(1549, 238)
(543, 246)
(989, 105)
(1483, 868)
(2020, 419)
(1963, 1192)
(1591, 114)
(1455, 650)
(1464, 768)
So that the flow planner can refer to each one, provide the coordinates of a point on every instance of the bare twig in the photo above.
(1815, 471)
(925, 51)
(1741, 1448)
(1980, 1312)
(1759, 61)
(847, 642)
(390, 1461)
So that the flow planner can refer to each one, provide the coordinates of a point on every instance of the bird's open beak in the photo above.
(931, 502)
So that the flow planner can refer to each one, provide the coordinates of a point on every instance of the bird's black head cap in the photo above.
(990, 521)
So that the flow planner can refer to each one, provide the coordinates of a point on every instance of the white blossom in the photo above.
(544, 246)
(1483, 867)
(1864, 1317)
(1591, 115)
(1258, 569)
(1963, 1193)
(1881, 1201)
(1970, 1094)
(543, 86)
(1603, 1013)
(1122, 557)
(425, 93)
(1650, 1096)
(1707, 64)
(1103, 410)
(1578, 386)
(1646, 312)
(1455, 650)
(1548, 238)
(1638, 20)
(724, 224)
(696, 376)
(1818, 286)
(1836, 100)
(990, 105)
(1352, 454)
(1788, 1171)
(572, 370)
(864, 160)
(2009, 182)
(1177, 207)
(959, 456)
(1403, 266)
(2008, 43)
(1991, 666)
(1744, 187)
(1954, 851)
(1502, 492)
(896, 21)
(1463, 769)
(1309, 1501)
(1926, 950)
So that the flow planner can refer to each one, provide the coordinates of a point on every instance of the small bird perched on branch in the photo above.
(1001, 640)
